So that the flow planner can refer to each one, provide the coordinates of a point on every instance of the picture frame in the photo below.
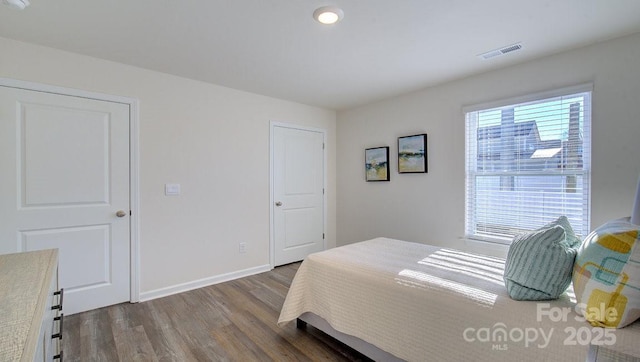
(412, 154)
(377, 164)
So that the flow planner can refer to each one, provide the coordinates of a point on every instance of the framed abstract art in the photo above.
(377, 164)
(412, 154)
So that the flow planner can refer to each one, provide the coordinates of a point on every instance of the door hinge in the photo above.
(323, 145)
(322, 236)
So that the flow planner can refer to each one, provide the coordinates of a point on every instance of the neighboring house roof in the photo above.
(519, 129)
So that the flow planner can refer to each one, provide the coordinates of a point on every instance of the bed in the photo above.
(398, 300)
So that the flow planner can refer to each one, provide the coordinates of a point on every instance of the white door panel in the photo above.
(298, 191)
(301, 227)
(58, 142)
(86, 247)
(64, 165)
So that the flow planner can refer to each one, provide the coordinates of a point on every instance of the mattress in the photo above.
(421, 302)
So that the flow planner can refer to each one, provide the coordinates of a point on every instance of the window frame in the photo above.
(471, 145)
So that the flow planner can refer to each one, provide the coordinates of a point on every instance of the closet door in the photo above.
(64, 171)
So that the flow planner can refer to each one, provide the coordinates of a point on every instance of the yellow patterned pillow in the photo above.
(606, 275)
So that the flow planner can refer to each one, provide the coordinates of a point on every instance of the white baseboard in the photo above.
(184, 287)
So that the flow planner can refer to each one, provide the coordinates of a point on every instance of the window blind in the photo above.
(527, 163)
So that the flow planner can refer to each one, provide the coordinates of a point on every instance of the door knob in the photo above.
(278, 203)
(121, 213)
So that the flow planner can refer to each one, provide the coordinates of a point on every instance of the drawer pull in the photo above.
(59, 334)
(58, 356)
(61, 294)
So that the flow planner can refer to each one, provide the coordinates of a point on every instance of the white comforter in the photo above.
(421, 302)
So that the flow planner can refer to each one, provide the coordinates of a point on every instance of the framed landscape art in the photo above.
(412, 154)
(377, 164)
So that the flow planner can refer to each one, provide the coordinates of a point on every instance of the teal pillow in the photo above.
(540, 263)
(571, 239)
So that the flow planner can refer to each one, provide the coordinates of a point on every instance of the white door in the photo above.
(298, 193)
(64, 171)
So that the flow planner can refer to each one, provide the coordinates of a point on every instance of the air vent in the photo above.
(511, 48)
(491, 54)
(501, 51)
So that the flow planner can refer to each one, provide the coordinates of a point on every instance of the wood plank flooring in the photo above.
(232, 321)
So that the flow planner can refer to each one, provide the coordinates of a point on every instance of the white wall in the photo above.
(429, 207)
(212, 140)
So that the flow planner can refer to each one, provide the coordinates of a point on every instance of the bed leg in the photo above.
(300, 324)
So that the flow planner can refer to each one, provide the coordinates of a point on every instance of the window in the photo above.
(527, 163)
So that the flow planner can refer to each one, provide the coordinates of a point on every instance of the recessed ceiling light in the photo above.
(328, 15)
(16, 4)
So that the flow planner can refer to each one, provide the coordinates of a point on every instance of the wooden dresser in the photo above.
(30, 307)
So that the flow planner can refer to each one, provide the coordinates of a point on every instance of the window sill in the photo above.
(485, 247)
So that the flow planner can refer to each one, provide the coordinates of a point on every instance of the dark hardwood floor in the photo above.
(232, 321)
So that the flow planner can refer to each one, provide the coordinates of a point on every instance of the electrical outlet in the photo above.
(242, 247)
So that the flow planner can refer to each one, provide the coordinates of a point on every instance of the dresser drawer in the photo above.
(31, 306)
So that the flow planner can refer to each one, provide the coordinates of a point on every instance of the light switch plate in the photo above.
(172, 189)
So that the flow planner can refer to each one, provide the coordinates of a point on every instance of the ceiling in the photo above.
(380, 49)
